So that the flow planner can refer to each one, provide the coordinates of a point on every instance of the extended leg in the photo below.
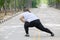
(40, 27)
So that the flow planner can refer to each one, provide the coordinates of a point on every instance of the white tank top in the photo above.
(29, 16)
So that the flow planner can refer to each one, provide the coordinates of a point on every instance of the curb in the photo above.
(1, 21)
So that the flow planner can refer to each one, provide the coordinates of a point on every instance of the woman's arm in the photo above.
(22, 19)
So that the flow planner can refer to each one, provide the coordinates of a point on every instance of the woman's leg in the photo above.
(26, 27)
(45, 30)
(41, 27)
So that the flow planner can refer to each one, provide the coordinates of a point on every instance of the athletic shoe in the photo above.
(27, 35)
(52, 34)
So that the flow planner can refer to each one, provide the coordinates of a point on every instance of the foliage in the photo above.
(1, 3)
(35, 3)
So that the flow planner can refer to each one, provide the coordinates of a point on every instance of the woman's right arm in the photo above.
(22, 19)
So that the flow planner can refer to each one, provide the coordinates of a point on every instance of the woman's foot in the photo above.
(52, 34)
(27, 35)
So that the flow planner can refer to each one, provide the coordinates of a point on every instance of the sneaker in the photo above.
(27, 35)
(52, 34)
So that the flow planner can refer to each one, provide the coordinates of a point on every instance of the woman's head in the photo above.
(26, 9)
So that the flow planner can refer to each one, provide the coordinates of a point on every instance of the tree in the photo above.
(1, 4)
(4, 3)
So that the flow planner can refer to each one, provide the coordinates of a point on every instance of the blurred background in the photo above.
(10, 7)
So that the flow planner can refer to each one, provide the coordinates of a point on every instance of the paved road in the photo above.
(13, 29)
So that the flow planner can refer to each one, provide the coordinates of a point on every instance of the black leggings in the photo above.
(37, 24)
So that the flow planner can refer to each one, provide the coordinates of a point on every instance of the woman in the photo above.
(32, 20)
